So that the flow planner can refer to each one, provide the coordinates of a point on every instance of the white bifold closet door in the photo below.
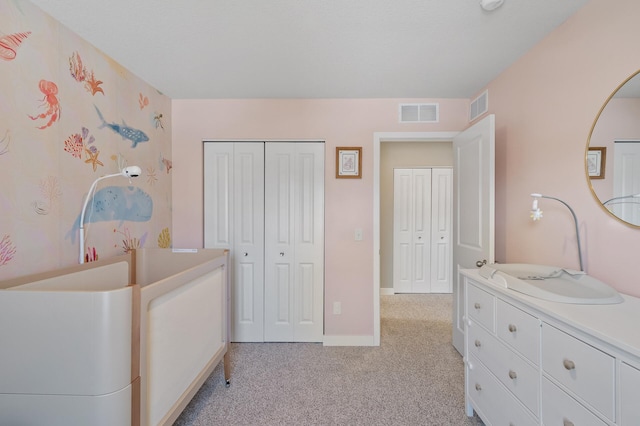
(422, 230)
(294, 242)
(265, 203)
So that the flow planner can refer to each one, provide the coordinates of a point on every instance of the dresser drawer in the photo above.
(516, 374)
(588, 372)
(519, 330)
(560, 409)
(629, 395)
(481, 306)
(494, 404)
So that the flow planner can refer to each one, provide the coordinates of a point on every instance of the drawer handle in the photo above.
(512, 328)
(567, 422)
(477, 343)
(476, 305)
(478, 387)
(512, 375)
(569, 365)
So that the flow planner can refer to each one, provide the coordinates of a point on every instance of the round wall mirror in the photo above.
(613, 153)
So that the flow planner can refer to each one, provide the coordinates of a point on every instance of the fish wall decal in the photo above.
(116, 203)
(134, 135)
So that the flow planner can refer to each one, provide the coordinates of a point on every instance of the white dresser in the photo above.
(534, 362)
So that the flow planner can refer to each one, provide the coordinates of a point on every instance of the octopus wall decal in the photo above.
(50, 101)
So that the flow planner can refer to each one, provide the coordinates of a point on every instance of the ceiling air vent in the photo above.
(479, 106)
(419, 113)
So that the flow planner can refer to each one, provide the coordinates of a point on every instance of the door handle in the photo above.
(479, 263)
(281, 254)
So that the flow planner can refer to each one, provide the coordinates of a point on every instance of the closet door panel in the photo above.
(441, 220)
(402, 233)
(279, 250)
(309, 242)
(218, 187)
(248, 242)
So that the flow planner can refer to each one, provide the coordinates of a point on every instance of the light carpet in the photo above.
(415, 377)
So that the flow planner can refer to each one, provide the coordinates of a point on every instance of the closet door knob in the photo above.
(476, 305)
(478, 343)
(281, 254)
(245, 254)
(512, 375)
(512, 328)
(478, 387)
(567, 422)
(568, 364)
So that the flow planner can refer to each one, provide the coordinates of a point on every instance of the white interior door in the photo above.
(294, 242)
(626, 181)
(234, 220)
(412, 230)
(473, 209)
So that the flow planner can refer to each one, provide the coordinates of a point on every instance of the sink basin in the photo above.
(551, 283)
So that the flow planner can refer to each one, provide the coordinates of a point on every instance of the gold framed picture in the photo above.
(348, 162)
(596, 160)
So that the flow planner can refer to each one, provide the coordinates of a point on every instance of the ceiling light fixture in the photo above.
(490, 5)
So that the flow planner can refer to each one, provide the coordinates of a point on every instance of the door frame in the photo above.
(378, 139)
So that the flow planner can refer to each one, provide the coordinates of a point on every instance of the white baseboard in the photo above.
(348, 341)
(386, 291)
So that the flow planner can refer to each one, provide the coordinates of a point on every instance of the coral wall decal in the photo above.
(7, 250)
(80, 74)
(164, 239)
(143, 101)
(131, 243)
(151, 176)
(50, 191)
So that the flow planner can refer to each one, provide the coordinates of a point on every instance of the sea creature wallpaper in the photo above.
(69, 115)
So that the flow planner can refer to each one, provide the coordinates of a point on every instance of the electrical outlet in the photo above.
(337, 308)
(358, 234)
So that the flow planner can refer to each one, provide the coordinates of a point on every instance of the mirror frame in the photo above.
(586, 152)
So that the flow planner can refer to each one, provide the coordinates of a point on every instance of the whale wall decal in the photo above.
(116, 203)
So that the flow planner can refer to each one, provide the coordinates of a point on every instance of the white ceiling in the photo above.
(313, 48)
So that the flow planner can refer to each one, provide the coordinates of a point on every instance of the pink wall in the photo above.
(348, 202)
(545, 105)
